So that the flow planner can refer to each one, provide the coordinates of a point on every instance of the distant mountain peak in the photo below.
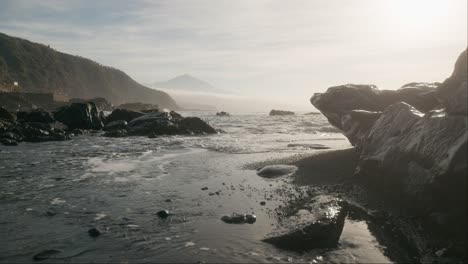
(187, 82)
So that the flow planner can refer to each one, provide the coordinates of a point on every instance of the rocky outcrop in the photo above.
(115, 125)
(168, 123)
(123, 114)
(351, 107)
(412, 147)
(80, 116)
(453, 93)
(316, 224)
(280, 112)
(36, 115)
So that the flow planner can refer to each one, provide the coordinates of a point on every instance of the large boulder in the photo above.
(412, 151)
(80, 116)
(158, 123)
(453, 92)
(316, 224)
(36, 115)
(353, 108)
(194, 125)
(414, 158)
(123, 114)
(116, 125)
(168, 123)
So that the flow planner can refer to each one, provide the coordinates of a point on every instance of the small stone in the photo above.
(50, 212)
(210, 194)
(45, 254)
(204, 188)
(262, 203)
(163, 214)
(94, 232)
(168, 200)
(250, 218)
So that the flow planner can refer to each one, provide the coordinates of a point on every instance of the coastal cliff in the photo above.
(39, 68)
(412, 149)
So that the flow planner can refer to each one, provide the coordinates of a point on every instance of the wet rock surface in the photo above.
(315, 224)
(168, 123)
(274, 171)
(115, 125)
(123, 114)
(236, 218)
(80, 116)
(412, 151)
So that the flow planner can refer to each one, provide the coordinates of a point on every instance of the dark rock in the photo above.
(158, 123)
(280, 112)
(357, 124)
(204, 188)
(262, 203)
(51, 212)
(164, 123)
(8, 142)
(123, 114)
(80, 115)
(452, 93)
(412, 151)
(354, 108)
(236, 218)
(163, 214)
(317, 224)
(116, 125)
(101, 103)
(36, 115)
(46, 254)
(4, 114)
(116, 133)
(94, 232)
(274, 171)
(194, 125)
(222, 113)
(168, 200)
(34, 132)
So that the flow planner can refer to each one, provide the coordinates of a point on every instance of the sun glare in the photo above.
(417, 17)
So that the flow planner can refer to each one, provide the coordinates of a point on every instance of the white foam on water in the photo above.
(189, 244)
(57, 201)
(99, 216)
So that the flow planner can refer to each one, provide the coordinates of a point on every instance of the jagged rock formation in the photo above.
(412, 146)
(38, 68)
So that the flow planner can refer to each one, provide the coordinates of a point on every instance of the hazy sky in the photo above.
(275, 49)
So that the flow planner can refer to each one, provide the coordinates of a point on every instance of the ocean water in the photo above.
(51, 193)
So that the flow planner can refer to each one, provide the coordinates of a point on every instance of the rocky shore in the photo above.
(411, 150)
(39, 125)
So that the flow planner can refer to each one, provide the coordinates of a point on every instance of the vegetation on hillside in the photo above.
(39, 68)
